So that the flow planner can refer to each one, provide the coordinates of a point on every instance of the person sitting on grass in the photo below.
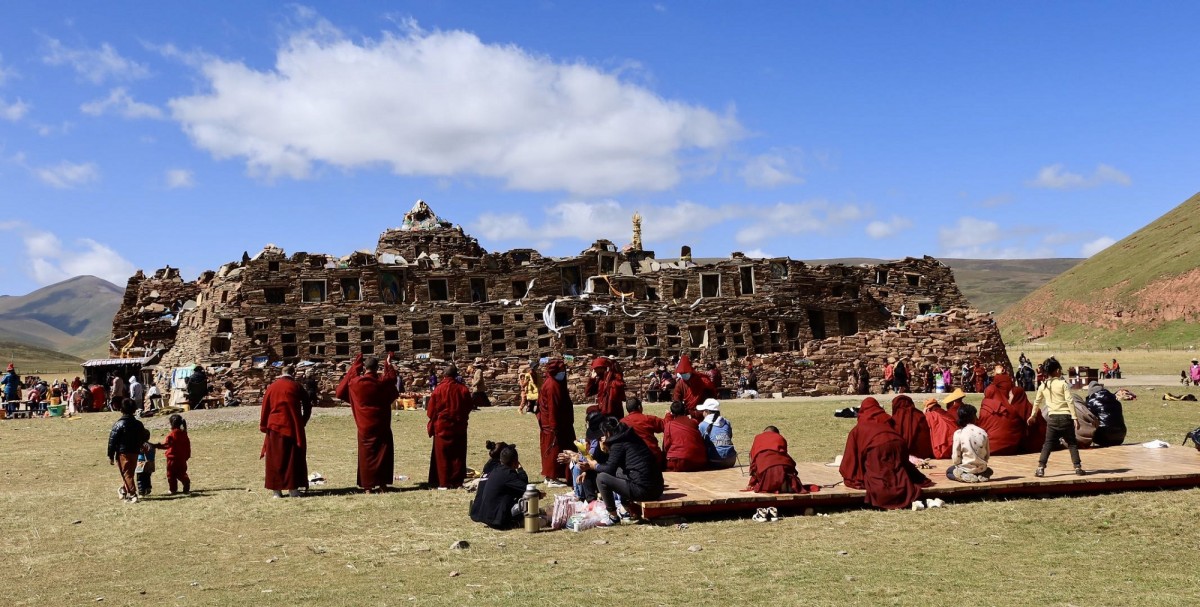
(125, 441)
(631, 471)
(682, 443)
(584, 483)
(497, 503)
(969, 458)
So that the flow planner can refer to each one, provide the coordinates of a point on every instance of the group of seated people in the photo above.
(623, 458)
(884, 452)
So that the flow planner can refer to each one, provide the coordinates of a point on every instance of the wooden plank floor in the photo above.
(1111, 469)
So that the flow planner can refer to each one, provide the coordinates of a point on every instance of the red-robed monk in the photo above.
(912, 425)
(607, 384)
(448, 409)
(772, 470)
(646, 426)
(876, 460)
(1004, 415)
(943, 422)
(371, 395)
(556, 421)
(285, 447)
(683, 446)
(693, 388)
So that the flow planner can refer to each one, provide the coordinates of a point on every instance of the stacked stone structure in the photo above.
(430, 293)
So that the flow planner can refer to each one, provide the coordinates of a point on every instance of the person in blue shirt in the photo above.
(12, 388)
(718, 436)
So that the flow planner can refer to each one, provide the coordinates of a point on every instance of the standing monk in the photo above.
(693, 388)
(556, 419)
(607, 384)
(371, 395)
(284, 447)
(448, 409)
(980, 375)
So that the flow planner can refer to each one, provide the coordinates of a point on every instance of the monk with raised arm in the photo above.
(371, 394)
(693, 388)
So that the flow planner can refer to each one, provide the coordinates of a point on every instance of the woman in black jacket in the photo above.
(498, 500)
(631, 470)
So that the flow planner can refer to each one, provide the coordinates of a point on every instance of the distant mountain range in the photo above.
(73, 317)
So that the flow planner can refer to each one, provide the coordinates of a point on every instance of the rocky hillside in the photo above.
(1142, 290)
(73, 316)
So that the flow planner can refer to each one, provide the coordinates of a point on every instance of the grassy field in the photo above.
(1133, 361)
(67, 540)
(32, 360)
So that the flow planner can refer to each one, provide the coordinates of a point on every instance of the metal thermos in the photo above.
(533, 519)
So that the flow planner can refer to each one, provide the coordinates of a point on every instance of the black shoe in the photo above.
(1040, 472)
(1079, 471)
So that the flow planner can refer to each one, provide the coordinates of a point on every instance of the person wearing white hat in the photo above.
(718, 435)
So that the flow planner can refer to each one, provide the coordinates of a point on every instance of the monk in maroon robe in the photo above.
(284, 447)
(876, 460)
(693, 388)
(607, 384)
(772, 470)
(943, 421)
(646, 426)
(371, 395)
(980, 374)
(556, 420)
(448, 409)
(912, 425)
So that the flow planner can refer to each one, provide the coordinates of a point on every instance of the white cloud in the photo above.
(885, 229)
(588, 221)
(447, 104)
(65, 175)
(1057, 177)
(95, 65)
(973, 238)
(1097, 245)
(123, 104)
(179, 178)
(48, 260)
(768, 171)
(14, 111)
(784, 219)
(757, 254)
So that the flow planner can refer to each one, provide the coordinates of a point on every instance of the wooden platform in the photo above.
(1111, 469)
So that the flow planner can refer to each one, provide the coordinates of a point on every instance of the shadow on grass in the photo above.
(354, 490)
(195, 493)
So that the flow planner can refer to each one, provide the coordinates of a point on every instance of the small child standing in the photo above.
(125, 441)
(145, 470)
(1061, 422)
(969, 456)
(179, 451)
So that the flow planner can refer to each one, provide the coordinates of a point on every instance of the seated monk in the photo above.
(913, 426)
(645, 426)
(772, 470)
(876, 460)
(682, 442)
(1003, 418)
(943, 422)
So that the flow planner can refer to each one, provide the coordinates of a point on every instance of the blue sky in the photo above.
(185, 133)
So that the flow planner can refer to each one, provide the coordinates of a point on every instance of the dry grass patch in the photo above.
(230, 544)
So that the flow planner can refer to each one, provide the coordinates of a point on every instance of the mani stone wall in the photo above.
(430, 293)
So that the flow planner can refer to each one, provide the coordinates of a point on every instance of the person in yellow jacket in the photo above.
(1061, 420)
(527, 381)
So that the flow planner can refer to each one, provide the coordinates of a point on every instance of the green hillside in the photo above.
(73, 316)
(31, 360)
(1140, 291)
